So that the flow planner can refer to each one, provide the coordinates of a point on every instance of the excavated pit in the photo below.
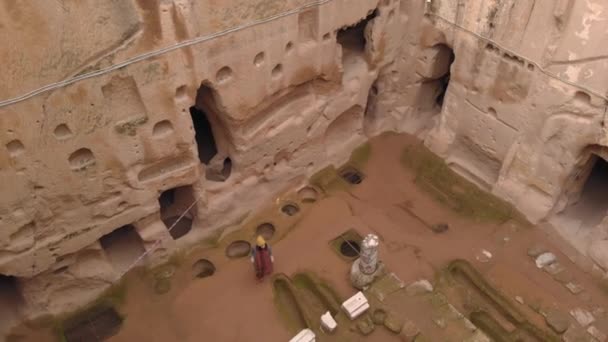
(238, 249)
(351, 175)
(350, 248)
(290, 209)
(266, 230)
(308, 194)
(203, 268)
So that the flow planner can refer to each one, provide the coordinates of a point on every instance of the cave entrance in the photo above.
(352, 39)
(588, 199)
(173, 203)
(210, 136)
(10, 301)
(443, 63)
(123, 247)
(205, 141)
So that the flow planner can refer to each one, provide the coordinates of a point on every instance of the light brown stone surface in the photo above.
(284, 99)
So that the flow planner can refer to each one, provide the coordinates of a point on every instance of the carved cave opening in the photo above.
(173, 203)
(10, 299)
(210, 136)
(444, 81)
(122, 247)
(352, 39)
(205, 141)
(588, 201)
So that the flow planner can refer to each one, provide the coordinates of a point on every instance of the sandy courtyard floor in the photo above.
(231, 306)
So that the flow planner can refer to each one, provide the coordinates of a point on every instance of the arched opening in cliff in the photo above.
(444, 65)
(203, 134)
(11, 301)
(173, 203)
(209, 135)
(123, 247)
(434, 69)
(352, 39)
(587, 196)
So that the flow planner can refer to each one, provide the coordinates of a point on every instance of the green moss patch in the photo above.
(321, 290)
(361, 155)
(462, 271)
(434, 176)
(288, 304)
(329, 179)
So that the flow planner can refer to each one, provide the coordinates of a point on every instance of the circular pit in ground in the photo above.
(350, 248)
(238, 249)
(352, 176)
(266, 230)
(290, 209)
(308, 194)
(203, 268)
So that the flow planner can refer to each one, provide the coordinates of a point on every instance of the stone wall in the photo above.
(231, 121)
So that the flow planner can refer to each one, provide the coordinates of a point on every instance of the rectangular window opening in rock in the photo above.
(352, 39)
(444, 63)
(11, 300)
(205, 140)
(210, 136)
(587, 195)
(173, 203)
(123, 247)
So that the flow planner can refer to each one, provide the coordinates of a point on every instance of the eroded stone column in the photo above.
(369, 254)
(367, 267)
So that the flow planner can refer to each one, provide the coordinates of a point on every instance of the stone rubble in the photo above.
(597, 334)
(557, 320)
(582, 316)
(545, 259)
(419, 287)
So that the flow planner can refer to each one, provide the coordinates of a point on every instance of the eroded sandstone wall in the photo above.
(100, 168)
(87, 165)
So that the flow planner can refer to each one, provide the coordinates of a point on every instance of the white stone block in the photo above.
(545, 259)
(328, 323)
(355, 305)
(305, 335)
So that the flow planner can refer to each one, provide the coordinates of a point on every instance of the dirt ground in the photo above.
(231, 306)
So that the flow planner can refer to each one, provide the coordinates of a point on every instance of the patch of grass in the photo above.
(466, 273)
(162, 286)
(603, 285)
(288, 304)
(328, 180)
(213, 240)
(434, 176)
(360, 156)
(113, 297)
(320, 289)
(490, 327)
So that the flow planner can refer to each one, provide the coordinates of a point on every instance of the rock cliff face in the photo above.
(262, 94)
